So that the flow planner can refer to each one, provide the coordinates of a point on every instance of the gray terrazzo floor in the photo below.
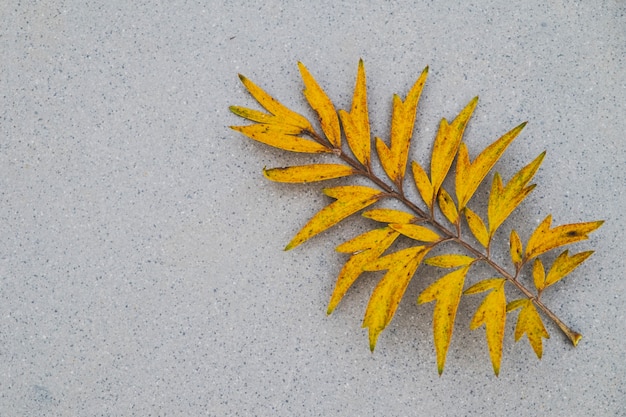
(141, 262)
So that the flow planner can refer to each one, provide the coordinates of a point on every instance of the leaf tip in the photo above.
(302, 68)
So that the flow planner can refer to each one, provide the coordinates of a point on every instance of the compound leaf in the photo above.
(446, 291)
(491, 313)
(356, 124)
(529, 322)
(308, 173)
(350, 199)
(544, 238)
(470, 175)
(280, 127)
(323, 106)
(383, 303)
(365, 248)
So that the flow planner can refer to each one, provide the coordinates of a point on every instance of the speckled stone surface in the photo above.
(141, 262)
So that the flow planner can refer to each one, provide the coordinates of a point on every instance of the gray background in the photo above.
(141, 262)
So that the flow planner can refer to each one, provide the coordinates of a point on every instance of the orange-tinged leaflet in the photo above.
(324, 107)
(470, 175)
(386, 215)
(545, 238)
(365, 248)
(350, 199)
(279, 137)
(529, 322)
(449, 261)
(356, 123)
(447, 143)
(384, 301)
(282, 113)
(491, 313)
(308, 173)
(446, 291)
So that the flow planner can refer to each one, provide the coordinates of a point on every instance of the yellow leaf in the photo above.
(503, 200)
(446, 291)
(477, 226)
(491, 313)
(350, 199)
(385, 155)
(516, 249)
(384, 301)
(278, 137)
(258, 116)
(447, 206)
(423, 184)
(402, 122)
(365, 248)
(449, 261)
(447, 144)
(385, 215)
(324, 107)
(470, 175)
(529, 323)
(308, 173)
(271, 129)
(367, 240)
(544, 238)
(282, 113)
(564, 264)
(442, 155)
(539, 275)
(356, 124)
(463, 168)
(416, 232)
